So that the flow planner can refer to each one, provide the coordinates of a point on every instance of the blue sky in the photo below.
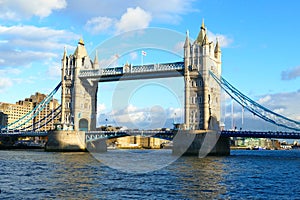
(260, 43)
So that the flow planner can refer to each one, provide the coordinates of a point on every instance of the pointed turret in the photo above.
(187, 51)
(187, 40)
(96, 62)
(80, 48)
(217, 50)
(81, 42)
(65, 53)
(64, 60)
(201, 34)
(202, 25)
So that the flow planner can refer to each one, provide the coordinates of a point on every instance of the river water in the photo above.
(243, 175)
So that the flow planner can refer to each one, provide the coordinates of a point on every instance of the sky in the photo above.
(259, 42)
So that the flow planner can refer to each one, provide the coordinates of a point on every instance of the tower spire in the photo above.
(201, 35)
(65, 52)
(187, 40)
(96, 62)
(81, 41)
(202, 26)
(217, 48)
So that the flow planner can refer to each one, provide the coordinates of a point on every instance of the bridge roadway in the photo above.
(168, 134)
(24, 134)
(95, 135)
(164, 70)
(262, 134)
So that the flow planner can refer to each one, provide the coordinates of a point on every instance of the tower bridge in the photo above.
(201, 71)
(81, 75)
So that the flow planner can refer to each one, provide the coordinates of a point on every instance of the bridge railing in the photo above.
(96, 135)
(261, 134)
(176, 66)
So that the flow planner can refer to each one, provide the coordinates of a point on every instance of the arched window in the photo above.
(83, 125)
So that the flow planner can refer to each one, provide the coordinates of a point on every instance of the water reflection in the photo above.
(201, 178)
(251, 175)
(73, 175)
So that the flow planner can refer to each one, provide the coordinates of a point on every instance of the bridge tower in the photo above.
(202, 93)
(78, 96)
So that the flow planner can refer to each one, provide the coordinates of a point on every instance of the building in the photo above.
(3, 119)
(18, 116)
(252, 143)
(40, 120)
(14, 112)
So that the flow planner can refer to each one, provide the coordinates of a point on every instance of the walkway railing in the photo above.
(262, 134)
(176, 66)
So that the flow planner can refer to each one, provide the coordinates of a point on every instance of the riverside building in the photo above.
(15, 112)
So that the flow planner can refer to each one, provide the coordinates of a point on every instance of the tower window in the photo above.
(200, 82)
(200, 99)
(83, 61)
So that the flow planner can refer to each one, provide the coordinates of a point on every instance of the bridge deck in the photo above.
(25, 134)
(168, 134)
(262, 134)
(135, 72)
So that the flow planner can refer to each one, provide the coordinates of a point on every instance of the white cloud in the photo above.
(19, 9)
(178, 48)
(224, 40)
(174, 112)
(27, 44)
(54, 71)
(168, 11)
(143, 118)
(285, 104)
(99, 24)
(101, 108)
(109, 62)
(290, 74)
(279, 111)
(28, 32)
(134, 18)
(264, 99)
(5, 83)
(133, 55)
(5, 72)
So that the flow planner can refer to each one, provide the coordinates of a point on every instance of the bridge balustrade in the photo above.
(132, 70)
(262, 134)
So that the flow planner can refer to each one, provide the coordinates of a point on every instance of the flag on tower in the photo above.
(144, 53)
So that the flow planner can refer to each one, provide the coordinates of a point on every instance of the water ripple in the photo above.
(244, 175)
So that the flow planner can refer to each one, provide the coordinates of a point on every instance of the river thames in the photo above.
(243, 175)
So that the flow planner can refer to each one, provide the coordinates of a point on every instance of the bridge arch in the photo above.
(83, 124)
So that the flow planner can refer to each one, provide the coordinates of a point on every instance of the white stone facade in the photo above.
(79, 96)
(202, 93)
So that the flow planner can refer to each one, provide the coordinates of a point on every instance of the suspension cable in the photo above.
(254, 107)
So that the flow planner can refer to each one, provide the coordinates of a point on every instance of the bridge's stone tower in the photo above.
(78, 96)
(202, 93)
